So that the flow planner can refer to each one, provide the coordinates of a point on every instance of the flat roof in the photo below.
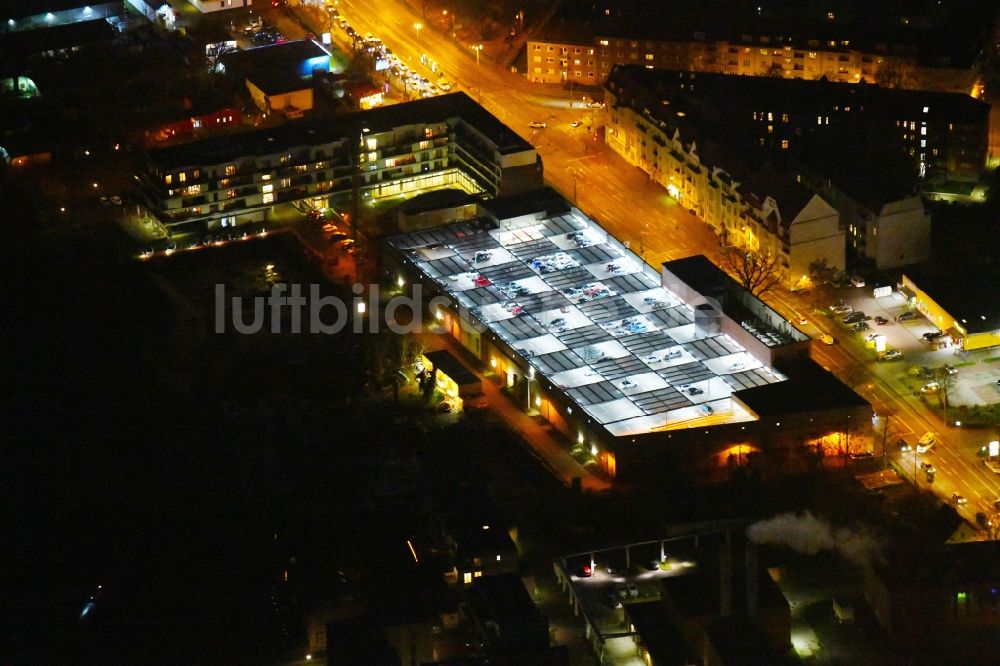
(444, 361)
(15, 45)
(274, 55)
(278, 82)
(968, 294)
(658, 634)
(216, 150)
(591, 319)
(809, 388)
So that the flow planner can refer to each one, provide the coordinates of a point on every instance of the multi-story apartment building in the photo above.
(446, 141)
(757, 206)
(585, 51)
(926, 133)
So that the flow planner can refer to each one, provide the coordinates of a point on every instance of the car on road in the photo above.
(576, 123)
(862, 455)
(534, 124)
(903, 445)
(881, 321)
(930, 387)
(827, 339)
(105, 201)
(633, 590)
(928, 467)
(926, 442)
(584, 571)
(959, 499)
(983, 520)
(853, 317)
(707, 410)
(926, 372)
(931, 336)
(892, 355)
(909, 315)
(857, 281)
(443, 85)
(841, 309)
(860, 326)
(801, 321)
(950, 369)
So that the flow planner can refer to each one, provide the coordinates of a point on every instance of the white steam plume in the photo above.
(808, 534)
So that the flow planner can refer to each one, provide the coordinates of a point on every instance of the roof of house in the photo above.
(809, 388)
(278, 82)
(273, 56)
(660, 96)
(971, 300)
(951, 37)
(17, 9)
(658, 635)
(14, 45)
(216, 150)
(444, 361)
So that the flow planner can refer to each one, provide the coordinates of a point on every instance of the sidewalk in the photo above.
(543, 441)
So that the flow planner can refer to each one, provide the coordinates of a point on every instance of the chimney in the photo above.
(750, 566)
(725, 578)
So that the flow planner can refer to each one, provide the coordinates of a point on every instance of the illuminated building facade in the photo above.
(446, 141)
(902, 55)
(678, 372)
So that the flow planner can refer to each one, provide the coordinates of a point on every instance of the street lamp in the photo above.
(417, 27)
(445, 12)
(477, 48)
(642, 240)
(531, 378)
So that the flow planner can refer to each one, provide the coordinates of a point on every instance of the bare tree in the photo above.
(757, 273)
(946, 380)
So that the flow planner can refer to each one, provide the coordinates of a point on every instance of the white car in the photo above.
(892, 355)
(536, 125)
(926, 442)
(576, 123)
(443, 85)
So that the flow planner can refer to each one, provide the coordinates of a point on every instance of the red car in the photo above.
(481, 281)
(584, 572)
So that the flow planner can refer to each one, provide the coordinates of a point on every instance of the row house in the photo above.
(586, 52)
(762, 209)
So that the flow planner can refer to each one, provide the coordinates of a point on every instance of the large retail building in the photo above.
(672, 372)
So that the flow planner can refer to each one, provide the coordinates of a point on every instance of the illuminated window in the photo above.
(230, 194)
(770, 117)
(268, 198)
(784, 144)
(230, 169)
(784, 117)
(265, 176)
(770, 129)
(168, 179)
(196, 175)
(467, 577)
(182, 176)
(371, 144)
(268, 188)
(372, 157)
(604, 42)
(285, 158)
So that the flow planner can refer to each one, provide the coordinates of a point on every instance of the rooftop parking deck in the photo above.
(591, 318)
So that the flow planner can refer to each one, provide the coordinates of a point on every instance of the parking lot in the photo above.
(605, 582)
(976, 379)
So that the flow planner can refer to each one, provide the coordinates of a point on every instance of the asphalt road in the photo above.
(623, 200)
